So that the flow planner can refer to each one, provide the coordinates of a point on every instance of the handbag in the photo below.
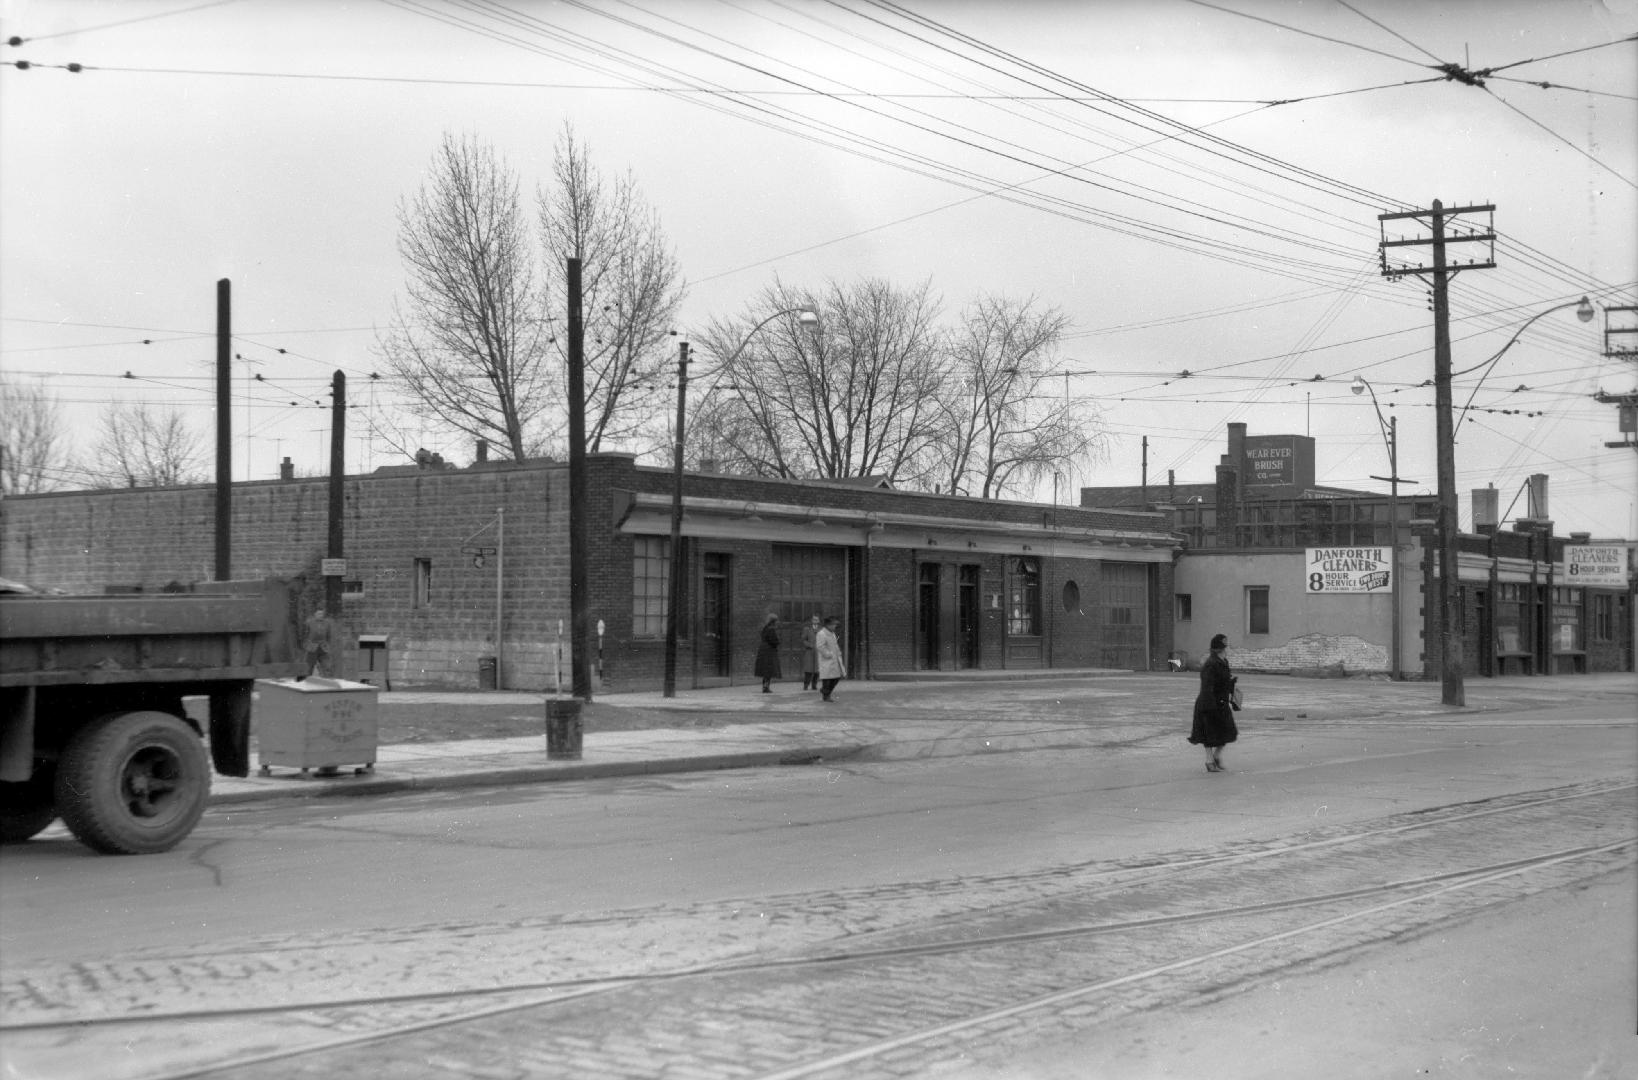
(1236, 700)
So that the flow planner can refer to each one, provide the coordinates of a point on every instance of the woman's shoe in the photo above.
(1212, 766)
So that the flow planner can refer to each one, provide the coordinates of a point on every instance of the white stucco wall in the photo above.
(1305, 630)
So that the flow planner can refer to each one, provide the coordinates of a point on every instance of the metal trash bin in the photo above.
(316, 723)
(486, 673)
(563, 729)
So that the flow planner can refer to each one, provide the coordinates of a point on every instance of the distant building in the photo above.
(1304, 576)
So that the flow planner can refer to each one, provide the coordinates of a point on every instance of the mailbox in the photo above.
(372, 646)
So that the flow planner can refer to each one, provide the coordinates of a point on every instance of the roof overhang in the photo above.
(737, 519)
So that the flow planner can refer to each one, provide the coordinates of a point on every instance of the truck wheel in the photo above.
(133, 783)
(27, 807)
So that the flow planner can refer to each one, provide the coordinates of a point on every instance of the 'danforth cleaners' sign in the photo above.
(1595, 565)
(1349, 570)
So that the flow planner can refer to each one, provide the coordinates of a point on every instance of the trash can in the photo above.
(486, 673)
(316, 723)
(563, 730)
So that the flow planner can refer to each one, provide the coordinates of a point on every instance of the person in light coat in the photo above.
(810, 654)
(831, 668)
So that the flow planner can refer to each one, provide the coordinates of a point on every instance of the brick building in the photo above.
(465, 572)
(1305, 576)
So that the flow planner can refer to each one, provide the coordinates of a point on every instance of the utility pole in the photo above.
(674, 599)
(337, 491)
(224, 430)
(579, 534)
(1450, 642)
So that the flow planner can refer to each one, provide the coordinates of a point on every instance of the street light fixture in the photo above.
(1390, 433)
(808, 320)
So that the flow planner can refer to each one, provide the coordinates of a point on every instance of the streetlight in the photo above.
(1450, 646)
(808, 319)
(1390, 433)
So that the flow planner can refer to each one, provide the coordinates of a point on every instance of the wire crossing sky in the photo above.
(1196, 185)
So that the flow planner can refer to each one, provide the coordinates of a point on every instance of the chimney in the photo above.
(1228, 501)
(483, 451)
(1485, 511)
(708, 464)
(1538, 497)
(287, 471)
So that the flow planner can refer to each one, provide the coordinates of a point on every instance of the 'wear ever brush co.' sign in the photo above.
(1349, 570)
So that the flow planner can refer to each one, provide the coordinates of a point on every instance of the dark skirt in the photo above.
(1213, 725)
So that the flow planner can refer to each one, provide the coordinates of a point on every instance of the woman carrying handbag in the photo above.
(1215, 705)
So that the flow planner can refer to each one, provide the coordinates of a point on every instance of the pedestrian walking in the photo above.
(831, 668)
(767, 653)
(1214, 725)
(317, 644)
(810, 654)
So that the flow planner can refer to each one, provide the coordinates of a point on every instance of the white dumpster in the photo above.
(315, 724)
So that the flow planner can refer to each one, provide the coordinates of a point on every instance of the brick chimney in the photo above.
(287, 471)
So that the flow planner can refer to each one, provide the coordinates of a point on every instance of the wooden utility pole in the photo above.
(338, 477)
(579, 534)
(1453, 691)
(224, 430)
(674, 599)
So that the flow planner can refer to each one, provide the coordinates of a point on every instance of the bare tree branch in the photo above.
(857, 402)
(1004, 429)
(631, 288)
(142, 445)
(468, 342)
(32, 453)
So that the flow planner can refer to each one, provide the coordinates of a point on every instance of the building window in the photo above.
(1257, 609)
(421, 584)
(352, 589)
(1024, 596)
(650, 585)
(1185, 606)
(1603, 617)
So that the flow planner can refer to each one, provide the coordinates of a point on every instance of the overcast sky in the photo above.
(1123, 161)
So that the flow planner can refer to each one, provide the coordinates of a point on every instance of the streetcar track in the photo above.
(1444, 884)
(1116, 878)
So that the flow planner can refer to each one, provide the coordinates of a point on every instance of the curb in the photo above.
(376, 784)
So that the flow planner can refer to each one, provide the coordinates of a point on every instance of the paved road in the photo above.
(564, 916)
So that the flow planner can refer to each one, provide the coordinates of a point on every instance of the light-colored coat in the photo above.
(830, 655)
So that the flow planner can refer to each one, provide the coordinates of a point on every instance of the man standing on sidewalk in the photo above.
(831, 668)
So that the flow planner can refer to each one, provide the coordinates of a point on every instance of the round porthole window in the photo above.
(1072, 596)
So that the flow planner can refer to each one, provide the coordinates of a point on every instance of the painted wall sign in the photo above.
(1595, 565)
(1349, 570)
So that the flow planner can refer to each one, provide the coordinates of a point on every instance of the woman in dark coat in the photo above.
(1214, 725)
(767, 653)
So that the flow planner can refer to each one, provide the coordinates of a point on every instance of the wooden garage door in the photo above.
(1123, 616)
(807, 581)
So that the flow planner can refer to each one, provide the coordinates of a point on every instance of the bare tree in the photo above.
(33, 457)
(631, 287)
(1003, 428)
(142, 445)
(858, 401)
(469, 341)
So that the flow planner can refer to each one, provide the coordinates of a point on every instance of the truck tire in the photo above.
(133, 783)
(27, 807)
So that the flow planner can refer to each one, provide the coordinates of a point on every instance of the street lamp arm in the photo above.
(1584, 312)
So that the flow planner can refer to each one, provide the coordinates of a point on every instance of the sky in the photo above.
(1195, 185)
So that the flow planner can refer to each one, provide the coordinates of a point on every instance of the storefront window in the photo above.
(1024, 596)
(650, 581)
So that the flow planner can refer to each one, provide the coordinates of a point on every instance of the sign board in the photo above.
(333, 567)
(1349, 570)
(1595, 565)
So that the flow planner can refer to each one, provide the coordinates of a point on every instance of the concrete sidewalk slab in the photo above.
(899, 720)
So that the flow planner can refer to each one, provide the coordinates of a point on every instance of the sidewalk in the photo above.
(898, 717)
